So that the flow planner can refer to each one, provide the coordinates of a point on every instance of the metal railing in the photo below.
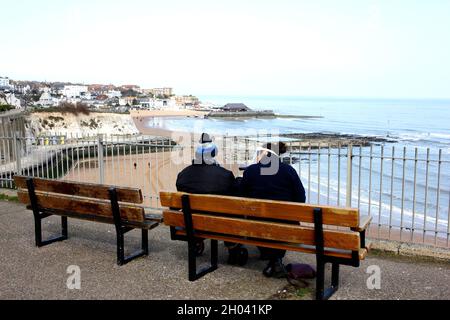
(405, 189)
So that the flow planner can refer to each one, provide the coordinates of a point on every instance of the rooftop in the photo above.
(235, 107)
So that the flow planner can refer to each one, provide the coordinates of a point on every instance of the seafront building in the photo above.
(186, 102)
(235, 107)
(46, 99)
(95, 96)
(5, 83)
(71, 92)
(159, 92)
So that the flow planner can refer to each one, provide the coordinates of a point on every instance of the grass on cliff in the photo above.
(67, 107)
(5, 107)
(5, 197)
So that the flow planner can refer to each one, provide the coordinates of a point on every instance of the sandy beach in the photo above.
(141, 116)
(167, 113)
(150, 172)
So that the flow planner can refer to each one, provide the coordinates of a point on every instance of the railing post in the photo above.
(17, 151)
(349, 175)
(101, 166)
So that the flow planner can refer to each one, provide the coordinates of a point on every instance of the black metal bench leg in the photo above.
(38, 216)
(320, 279)
(121, 230)
(192, 256)
(121, 258)
(38, 232)
(214, 253)
(145, 241)
(321, 292)
(192, 263)
(335, 276)
(120, 248)
(64, 227)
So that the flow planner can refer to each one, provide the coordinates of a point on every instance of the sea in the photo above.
(385, 189)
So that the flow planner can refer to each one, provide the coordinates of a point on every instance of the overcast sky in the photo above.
(334, 48)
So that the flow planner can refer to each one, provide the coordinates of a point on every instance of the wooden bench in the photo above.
(99, 203)
(335, 235)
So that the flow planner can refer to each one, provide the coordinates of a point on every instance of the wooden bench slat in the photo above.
(88, 190)
(363, 223)
(346, 240)
(82, 206)
(148, 224)
(276, 245)
(344, 217)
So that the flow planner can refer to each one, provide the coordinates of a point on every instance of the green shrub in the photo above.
(5, 197)
(5, 107)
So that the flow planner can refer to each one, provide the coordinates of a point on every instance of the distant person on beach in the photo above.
(206, 176)
(270, 178)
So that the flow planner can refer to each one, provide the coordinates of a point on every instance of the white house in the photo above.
(169, 104)
(22, 89)
(12, 100)
(4, 82)
(47, 100)
(114, 94)
(74, 91)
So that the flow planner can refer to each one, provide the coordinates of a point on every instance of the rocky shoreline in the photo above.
(335, 140)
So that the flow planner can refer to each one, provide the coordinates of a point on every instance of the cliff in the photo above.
(46, 123)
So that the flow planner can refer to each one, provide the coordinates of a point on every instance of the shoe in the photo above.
(275, 269)
(237, 255)
(242, 257)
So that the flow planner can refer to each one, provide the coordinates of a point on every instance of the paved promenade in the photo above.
(27, 272)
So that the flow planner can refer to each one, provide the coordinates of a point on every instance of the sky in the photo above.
(321, 48)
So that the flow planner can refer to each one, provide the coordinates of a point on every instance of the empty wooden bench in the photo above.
(94, 202)
(335, 235)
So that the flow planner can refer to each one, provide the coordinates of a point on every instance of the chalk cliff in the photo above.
(48, 123)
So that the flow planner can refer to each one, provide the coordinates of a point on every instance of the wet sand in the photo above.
(417, 237)
(139, 116)
(167, 113)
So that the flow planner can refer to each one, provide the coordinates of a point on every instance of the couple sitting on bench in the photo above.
(268, 178)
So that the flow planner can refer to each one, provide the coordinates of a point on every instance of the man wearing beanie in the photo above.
(206, 176)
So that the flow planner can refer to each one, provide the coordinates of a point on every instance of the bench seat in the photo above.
(335, 235)
(119, 206)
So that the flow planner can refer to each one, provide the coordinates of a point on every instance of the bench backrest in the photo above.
(86, 199)
(264, 219)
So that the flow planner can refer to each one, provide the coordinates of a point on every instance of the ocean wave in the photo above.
(398, 215)
(423, 136)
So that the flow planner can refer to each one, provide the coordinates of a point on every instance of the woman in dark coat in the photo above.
(272, 179)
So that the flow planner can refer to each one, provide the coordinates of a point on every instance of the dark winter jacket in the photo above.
(206, 179)
(285, 185)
